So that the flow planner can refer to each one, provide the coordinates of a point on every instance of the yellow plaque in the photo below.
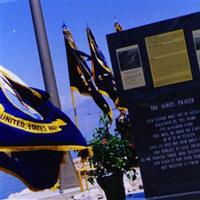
(168, 58)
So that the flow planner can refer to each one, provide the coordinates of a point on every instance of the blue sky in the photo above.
(18, 49)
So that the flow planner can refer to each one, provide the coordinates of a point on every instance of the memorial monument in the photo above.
(157, 68)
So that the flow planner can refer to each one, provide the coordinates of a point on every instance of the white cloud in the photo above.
(66, 100)
(87, 111)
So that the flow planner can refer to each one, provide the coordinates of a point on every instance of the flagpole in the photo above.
(68, 177)
(74, 107)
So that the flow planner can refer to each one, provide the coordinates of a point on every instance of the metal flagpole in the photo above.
(68, 177)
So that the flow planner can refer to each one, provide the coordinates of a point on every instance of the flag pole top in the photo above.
(115, 19)
(64, 26)
(87, 25)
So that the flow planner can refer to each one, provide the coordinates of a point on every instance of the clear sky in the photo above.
(18, 49)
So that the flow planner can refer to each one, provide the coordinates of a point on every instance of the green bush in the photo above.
(112, 155)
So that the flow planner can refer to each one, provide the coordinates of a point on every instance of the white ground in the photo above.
(94, 193)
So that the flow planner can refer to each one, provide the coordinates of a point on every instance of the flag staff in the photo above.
(68, 177)
(74, 107)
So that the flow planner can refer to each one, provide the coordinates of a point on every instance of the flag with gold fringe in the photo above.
(34, 134)
(38, 170)
(80, 74)
(102, 74)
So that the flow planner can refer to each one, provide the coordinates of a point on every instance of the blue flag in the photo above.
(102, 74)
(28, 121)
(80, 75)
(39, 170)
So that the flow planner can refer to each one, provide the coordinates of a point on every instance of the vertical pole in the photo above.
(44, 52)
(68, 177)
(74, 108)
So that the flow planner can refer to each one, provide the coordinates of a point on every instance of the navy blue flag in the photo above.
(39, 170)
(80, 75)
(28, 121)
(102, 74)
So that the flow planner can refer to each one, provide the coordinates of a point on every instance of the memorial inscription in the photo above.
(168, 139)
(177, 143)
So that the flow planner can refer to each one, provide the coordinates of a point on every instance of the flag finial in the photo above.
(64, 26)
(87, 25)
(115, 19)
